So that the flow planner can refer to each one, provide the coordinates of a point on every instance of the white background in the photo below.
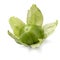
(9, 49)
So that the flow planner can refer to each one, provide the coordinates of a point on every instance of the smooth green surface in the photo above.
(37, 30)
(28, 38)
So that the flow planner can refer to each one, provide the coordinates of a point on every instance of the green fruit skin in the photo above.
(31, 34)
(29, 38)
(37, 30)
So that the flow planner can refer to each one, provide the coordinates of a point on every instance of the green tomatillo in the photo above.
(33, 32)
